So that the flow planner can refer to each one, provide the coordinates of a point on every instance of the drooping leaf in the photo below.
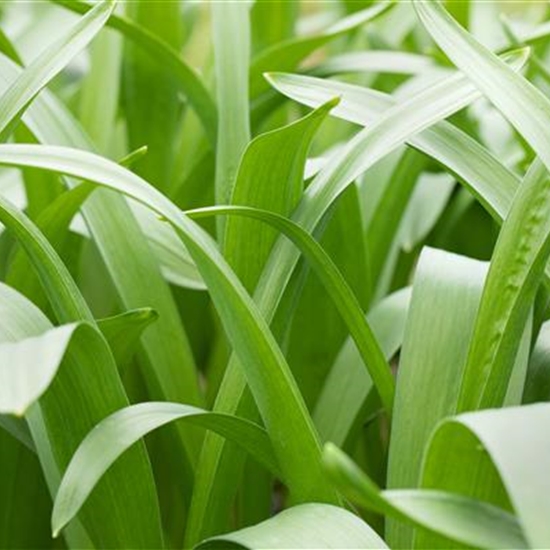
(270, 176)
(361, 153)
(443, 141)
(299, 455)
(76, 401)
(467, 520)
(119, 431)
(24, 380)
(169, 368)
(335, 284)
(517, 447)
(432, 363)
(490, 358)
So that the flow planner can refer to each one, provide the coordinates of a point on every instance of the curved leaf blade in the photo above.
(23, 378)
(118, 432)
(304, 526)
(48, 64)
(299, 453)
(335, 284)
(463, 519)
(517, 442)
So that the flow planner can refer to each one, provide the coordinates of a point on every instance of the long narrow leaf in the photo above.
(299, 455)
(118, 432)
(48, 64)
(472, 522)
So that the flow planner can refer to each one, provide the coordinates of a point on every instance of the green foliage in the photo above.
(309, 306)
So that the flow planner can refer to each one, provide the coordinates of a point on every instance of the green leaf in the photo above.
(123, 332)
(291, 428)
(477, 524)
(175, 262)
(344, 242)
(432, 363)
(348, 381)
(361, 153)
(53, 222)
(61, 290)
(23, 379)
(515, 273)
(270, 177)
(491, 355)
(169, 366)
(48, 64)
(336, 286)
(151, 92)
(526, 107)
(271, 182)
(76, 401)
(287, 55)
(119, 431)
(190, 83)
(430, 370)
(474, 165)
(231, 33)
(516, 442)
(304, 526)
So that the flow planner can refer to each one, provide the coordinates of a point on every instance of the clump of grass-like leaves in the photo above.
(274, 274)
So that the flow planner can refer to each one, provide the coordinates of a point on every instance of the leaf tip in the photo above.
(333, 102)
(271, 77)
(57, 524)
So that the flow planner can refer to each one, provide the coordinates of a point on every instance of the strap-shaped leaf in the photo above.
(477, 524)
(432, 364)
(77, 400)
(270, 176)
(362, 152)
(263, 362)
(490, 357)
(48, 64)
(475, 166)
(169, 366)
(119, 431)
(231, 32)
(517, 445)
(335, 284)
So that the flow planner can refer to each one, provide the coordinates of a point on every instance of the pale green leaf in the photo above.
(304, 526)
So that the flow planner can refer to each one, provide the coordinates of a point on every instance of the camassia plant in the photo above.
(274, 274)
